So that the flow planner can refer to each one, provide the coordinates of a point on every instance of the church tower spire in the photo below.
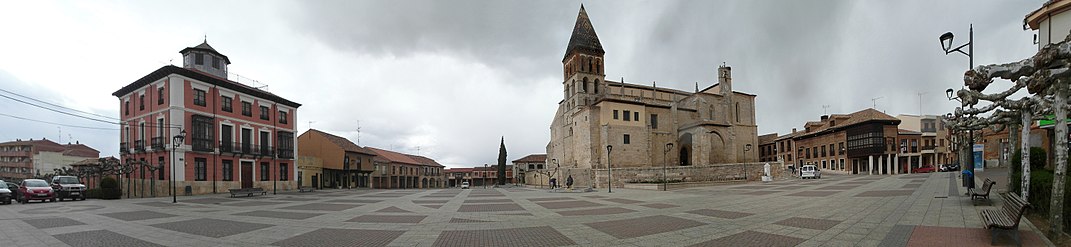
(582, 66)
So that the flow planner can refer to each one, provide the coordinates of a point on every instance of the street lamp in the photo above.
(177, 141)
(946, 45)
(665, 183)
(484, 176)
(558, 170)
(609, 176)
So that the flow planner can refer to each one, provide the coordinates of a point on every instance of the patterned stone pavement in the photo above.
(837, 210)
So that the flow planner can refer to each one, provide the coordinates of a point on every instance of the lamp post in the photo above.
(946, 44)
(177, 141)
(558, 171)
(665, 183)
(609, 175)
(747, 147)
(484, 176)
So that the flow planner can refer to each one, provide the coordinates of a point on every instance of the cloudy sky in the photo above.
(447, 79)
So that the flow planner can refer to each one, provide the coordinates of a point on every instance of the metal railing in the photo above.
(203, 145)
(286, 153)
(139, 146)
(124, 148)
(157, 143)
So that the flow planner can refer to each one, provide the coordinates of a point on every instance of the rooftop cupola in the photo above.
(206, 59)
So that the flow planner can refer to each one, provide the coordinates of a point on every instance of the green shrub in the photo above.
(1038, 158)
(93, 193)
(109, 183)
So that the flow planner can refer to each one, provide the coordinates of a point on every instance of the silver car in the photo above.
(5, 193)
(810, 171)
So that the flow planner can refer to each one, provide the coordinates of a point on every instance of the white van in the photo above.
(810, 171)
(464, 185)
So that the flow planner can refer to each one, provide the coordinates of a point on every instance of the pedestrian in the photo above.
(553, 183)
(569, 182)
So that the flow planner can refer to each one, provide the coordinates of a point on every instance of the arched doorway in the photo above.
(685, 141)
(718, 150)
(424, 182)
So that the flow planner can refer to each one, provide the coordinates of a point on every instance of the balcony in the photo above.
(157, 143)
(203, 145)
(263, 151)
(124, 148)
(139, 146)
(286, 153)
(235, 148)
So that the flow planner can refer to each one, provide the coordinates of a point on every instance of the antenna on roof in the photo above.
(824, 107)
(358, 132)
(875, 101)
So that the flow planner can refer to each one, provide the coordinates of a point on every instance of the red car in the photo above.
(36, 189)
(924, 169)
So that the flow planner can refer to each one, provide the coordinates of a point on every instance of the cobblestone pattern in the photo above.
(138, 215)
(279, 214)
(753, 238)
(101, 238)
(211, 227)
(596, 211)
(45, 223)
(488, 201)
(545, 199)
(393, 209)
(885, 193)
(720, 213)
(659, 205)
(388, 218)
(529, 236)
(631, 228)
(623, 200)
(809, 223)
(568, 204)
(321, 207)
(490, 207)
(460, 220)
(814, 193)
(329, 237)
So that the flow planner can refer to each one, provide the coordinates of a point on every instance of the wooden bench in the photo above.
(983, 192)
(306, 189)
(247, 192)
(1006, 219)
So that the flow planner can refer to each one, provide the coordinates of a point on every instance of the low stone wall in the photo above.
(163, 187)
(583, 178)
(698, 173)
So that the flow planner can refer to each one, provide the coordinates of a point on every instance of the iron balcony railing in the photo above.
(124, 148)
(203, 145)
(157, 143)
(235, 147)
(286, 153)
(139, 146)
(263, 151)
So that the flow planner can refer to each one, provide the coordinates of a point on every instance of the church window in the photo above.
(636, 115)
(585, 88)
(628, 116)
(737, 111)
(596, 86)
(654, 121)
(615, 111)
(626, 140)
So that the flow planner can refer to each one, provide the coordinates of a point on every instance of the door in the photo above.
(247, 174)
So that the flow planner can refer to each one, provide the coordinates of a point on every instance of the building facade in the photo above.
(708, 126)
(862, 142)
(344, 164)
(478, 176)
(236, 136)
(22, 159)
(768, 148)
(531, 162)
(393, 170)
(934, 145)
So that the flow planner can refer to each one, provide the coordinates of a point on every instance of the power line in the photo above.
(54, 110)
(51, 104)
(59, 124)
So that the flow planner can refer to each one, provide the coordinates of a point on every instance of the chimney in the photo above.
(725, 79)
(793, 130)
(825, 117)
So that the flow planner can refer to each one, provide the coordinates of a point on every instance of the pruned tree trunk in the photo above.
(1024, 142)
(1056, 207)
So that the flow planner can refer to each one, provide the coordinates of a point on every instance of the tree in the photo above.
(502, 162)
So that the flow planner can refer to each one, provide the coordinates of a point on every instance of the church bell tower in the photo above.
(584, 77)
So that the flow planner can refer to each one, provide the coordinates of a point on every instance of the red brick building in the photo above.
(236, 135)
(21, 159)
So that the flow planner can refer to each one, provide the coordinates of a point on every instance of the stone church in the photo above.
(713, 125)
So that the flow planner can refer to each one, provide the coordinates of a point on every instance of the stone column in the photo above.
(870, 165)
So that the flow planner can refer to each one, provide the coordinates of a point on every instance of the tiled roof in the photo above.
(908, 132)
(394, 157)
(584, 38)
(228, 84)
(342, 142)
(533, 158)
(424, 160)
(865, 115)
(46, 145)
(205, 47)
(767, 138)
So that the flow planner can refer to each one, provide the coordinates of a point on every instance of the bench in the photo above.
(1006, 219)
(247, 192)
(306, 189)
(982, 192)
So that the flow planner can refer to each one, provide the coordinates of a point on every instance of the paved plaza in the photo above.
(837, 210)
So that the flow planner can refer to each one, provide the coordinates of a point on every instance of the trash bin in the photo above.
(968, 179)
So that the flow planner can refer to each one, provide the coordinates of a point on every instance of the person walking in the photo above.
(569, 182)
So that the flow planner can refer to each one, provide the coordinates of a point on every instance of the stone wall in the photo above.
(163, 187)
(698, 173)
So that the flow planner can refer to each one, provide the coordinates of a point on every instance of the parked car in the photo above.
(5, 193)
(464, 185)
(68, 187)
(923, 169)
(35, 189)
(949, 167)
(810, 171)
